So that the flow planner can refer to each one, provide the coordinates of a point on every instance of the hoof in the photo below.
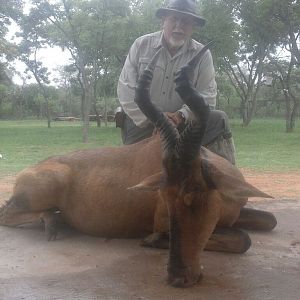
(183, 282)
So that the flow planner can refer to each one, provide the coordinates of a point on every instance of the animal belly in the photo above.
(116, 218)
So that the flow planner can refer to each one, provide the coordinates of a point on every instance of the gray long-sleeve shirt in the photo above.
(162, 91)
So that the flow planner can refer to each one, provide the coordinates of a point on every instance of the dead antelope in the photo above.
(202, 192)
(200, 195)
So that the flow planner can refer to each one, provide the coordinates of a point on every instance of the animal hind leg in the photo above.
(51, 220)
(228, 240)
(15, 213)
(253, 219)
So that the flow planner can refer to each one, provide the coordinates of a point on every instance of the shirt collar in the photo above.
(158, 42)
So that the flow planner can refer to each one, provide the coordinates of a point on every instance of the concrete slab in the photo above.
(76, 266)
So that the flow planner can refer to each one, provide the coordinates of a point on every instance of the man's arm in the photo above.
(126, 87)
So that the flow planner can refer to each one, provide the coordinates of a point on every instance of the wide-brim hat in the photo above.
(187, 7)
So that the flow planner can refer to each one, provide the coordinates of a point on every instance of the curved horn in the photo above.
(193, 62)
(190, 140)
(142, 98)
(142, 91)
(197, 104)
(190, 66)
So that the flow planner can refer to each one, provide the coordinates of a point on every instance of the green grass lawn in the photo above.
(263, 145)
(23, 143)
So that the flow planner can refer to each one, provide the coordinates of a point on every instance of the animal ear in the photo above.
(151, 183)
(227, 184)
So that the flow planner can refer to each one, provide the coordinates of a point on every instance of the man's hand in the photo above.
(176, 118)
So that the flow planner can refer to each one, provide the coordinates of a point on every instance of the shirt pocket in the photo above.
(144, 61)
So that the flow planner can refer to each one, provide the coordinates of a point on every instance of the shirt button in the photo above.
(167, 77)
(164, 93)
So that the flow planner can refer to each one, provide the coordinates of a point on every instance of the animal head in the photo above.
(189, 183)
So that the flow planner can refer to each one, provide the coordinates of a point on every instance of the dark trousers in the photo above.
(217, 137)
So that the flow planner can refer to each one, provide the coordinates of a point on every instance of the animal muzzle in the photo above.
(183, 265)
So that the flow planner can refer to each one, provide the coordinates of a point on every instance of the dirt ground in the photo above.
(76, 266)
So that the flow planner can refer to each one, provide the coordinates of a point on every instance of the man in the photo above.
(178, 21)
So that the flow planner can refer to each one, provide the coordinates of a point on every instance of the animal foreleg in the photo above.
(253, 219)
(228, 240)
(160, 236)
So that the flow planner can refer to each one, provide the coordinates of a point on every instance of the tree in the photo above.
(9, 10)
(285, 16)
(28, 49)
(258, 37)
(5, 85)
(89, 30)
(288, 76)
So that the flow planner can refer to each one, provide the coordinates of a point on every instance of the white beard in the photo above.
(175, 44)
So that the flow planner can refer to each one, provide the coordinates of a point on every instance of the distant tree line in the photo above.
(256, 54)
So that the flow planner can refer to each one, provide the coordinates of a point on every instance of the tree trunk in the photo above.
(292, 106)
(86, 115)
(288, 114)
(82, 98)
(48, 113)
(253, 89)
(98, 118)
(291, 101)
(85, 100)
(105, 99)
(45, 95)
(86, 104)
(105, 111)
(246, 108)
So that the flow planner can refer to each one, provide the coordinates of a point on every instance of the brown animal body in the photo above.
(200, 195)
(90, 189)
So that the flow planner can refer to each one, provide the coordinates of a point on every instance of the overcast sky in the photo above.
(51, 58)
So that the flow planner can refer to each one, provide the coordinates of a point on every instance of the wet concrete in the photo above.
(77, 266)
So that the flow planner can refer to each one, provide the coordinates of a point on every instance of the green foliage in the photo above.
(227, 99)
(9, 10)
(98, 34)
(6, 88)
(221, 28)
